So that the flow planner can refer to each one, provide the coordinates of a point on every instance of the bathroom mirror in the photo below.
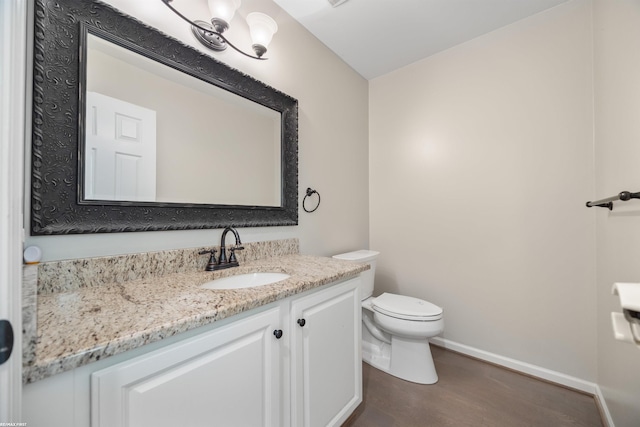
(223, 145)
(153, 133)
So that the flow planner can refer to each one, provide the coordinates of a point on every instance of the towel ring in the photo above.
(310, 193)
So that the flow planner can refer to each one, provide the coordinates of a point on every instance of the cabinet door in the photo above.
(326, 361)
(225, 377)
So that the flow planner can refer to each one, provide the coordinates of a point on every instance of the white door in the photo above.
(226, 377)
(13, 36)
(120, 150)
(326, 360)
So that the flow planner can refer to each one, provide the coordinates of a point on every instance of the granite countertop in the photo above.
(89, 324)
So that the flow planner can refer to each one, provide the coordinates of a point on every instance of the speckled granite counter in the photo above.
(90, 323)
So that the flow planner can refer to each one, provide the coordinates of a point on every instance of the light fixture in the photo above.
(261, 26)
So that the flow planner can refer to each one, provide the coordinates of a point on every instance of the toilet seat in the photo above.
(406, 308)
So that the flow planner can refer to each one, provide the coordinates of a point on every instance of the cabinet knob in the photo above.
(278, 333)
(302, 322)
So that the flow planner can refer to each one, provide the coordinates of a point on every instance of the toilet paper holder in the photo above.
(626, 325)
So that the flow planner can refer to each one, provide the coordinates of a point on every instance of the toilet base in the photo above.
(409, 360)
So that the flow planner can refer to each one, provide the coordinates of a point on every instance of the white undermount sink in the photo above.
(249, 280)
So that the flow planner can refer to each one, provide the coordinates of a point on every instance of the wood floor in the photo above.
(470, 393)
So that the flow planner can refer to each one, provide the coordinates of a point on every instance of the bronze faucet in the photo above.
(222, 262)
(233, 262)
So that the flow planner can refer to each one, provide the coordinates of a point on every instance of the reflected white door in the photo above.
(120, 150)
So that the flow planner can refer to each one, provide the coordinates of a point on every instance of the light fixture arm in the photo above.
(208, 30)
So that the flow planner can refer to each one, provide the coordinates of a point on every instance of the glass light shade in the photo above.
(262, 28)
(223, 9)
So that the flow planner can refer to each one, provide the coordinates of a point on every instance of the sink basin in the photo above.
(249, 280)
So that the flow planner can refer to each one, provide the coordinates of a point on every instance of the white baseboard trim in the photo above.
(604, 410)
(534, 371)
(517, 365)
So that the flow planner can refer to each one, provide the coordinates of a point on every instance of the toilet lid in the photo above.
(404, 307)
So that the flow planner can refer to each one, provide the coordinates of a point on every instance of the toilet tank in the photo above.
(363, 256)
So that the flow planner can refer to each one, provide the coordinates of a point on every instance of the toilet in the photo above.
(396, 328)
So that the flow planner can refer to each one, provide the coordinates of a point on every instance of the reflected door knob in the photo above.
(302, 322)
(278, 333)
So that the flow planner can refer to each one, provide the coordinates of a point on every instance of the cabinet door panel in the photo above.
(328, 372)
(227, 377)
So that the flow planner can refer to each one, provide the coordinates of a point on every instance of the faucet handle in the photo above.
(212, 259)
(207, 251)
(232, 257)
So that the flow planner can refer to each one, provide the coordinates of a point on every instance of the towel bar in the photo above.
(608, 202)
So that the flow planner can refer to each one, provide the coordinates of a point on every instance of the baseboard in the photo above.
(604, 410)
(517, 365)
(534, 371)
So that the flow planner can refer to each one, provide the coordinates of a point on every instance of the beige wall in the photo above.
(333, 138)
(617, 101)
(481, 161)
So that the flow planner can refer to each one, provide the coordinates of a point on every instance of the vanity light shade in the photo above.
(262, 28)
(211, 35)
(223, 9)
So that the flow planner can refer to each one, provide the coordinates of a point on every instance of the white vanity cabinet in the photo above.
(326, 367)
(235, 372)
(227, 377)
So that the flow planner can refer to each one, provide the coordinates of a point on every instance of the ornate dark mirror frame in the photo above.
(59, 39)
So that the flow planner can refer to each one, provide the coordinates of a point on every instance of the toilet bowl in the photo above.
(396, 328)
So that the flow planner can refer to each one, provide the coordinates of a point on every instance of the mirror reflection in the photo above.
(155, 134)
